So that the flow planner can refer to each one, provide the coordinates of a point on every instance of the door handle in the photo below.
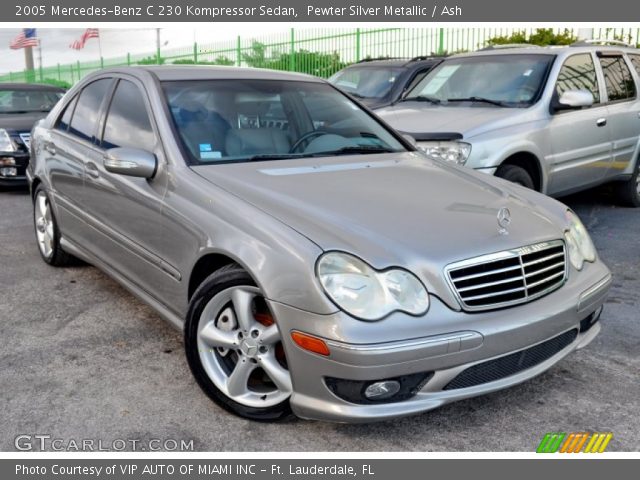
(92, 170)
(601, 122)
(49, 147)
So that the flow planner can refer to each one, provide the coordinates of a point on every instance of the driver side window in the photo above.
(579, 73)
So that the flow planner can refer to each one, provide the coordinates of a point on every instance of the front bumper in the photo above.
(443, 344)
(21, 161)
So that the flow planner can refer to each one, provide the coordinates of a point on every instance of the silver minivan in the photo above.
(554, 119)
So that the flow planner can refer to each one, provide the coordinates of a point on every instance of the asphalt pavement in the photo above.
(82, 359)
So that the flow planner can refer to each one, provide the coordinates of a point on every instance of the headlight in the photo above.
(6, 145)
(366, 293)
(456, 152)
(579, 243)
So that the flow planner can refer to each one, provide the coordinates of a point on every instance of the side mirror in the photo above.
(410, 139)
(133, 162)
(574, 99)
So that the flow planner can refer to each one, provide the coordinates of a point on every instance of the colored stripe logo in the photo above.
(577, 442)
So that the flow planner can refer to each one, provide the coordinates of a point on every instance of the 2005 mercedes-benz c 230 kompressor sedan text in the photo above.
(317, 263)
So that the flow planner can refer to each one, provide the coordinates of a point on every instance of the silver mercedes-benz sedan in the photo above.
(316, 262)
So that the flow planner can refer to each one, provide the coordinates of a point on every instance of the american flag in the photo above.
(88, 33)
(27, 38)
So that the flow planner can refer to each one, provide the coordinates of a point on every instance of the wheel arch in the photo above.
(531, 163)
(207, 264)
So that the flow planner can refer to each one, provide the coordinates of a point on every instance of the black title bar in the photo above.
(30, 11)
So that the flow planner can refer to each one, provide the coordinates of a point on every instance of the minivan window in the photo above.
(579, 73)
(635, 59)
(618, 79)
(128, 123)
(508, 80)
(85, 115)
(65, 119)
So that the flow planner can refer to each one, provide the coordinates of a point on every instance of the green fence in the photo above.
(319, 52)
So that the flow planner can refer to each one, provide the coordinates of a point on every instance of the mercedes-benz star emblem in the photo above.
(504, 220)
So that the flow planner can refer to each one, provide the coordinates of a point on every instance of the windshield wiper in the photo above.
(360, 149)
(23, 111)
(275, 156)
(478, 100)
(421, 98)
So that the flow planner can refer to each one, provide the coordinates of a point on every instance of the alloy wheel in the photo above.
(240, 348)
(44, 225)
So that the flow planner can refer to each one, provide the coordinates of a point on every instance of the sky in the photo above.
(116, 42)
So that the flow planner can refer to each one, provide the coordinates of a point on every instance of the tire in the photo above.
(47, 231)
(516, 174)
(228, 350)
(629, 191)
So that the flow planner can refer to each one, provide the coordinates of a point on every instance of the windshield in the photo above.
(366, 82)
(25, 101)
(500, 80)
(244, 120)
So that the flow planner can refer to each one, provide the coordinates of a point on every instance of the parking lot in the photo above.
(83, 359)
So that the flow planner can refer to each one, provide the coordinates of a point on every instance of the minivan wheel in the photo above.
(47, 231)
(234, 348)
(515, 174)
(629, 190)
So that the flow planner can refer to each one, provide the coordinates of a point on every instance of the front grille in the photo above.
(511, 364)
(510, 277)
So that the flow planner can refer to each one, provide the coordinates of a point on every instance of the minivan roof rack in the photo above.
(508, 45)
(426, 57)
(364, 60)
(599, 41)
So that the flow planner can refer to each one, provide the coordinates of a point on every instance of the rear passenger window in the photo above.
(635, 59)
(618, 79)
(128, 123)
(578, 73)
(65, 119)
(85, 115)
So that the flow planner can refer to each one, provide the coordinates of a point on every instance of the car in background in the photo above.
(380, 82)
(554, 119)
(21, 106)
(315, 262)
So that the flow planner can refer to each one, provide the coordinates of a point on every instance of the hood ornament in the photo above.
(504, 220)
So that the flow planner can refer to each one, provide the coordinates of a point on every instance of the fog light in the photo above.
(382, 390)
(8, 171)
(591, 320)
(7, 161)
(378, 391)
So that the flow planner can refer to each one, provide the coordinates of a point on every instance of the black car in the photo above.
(380, 82)
(21, 106)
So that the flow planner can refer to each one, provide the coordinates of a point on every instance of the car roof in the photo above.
(398, 62)
(210, 72)
(30, 86)
(564, 50)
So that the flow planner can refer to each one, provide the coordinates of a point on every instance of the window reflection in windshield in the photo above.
(366, 82)
(24, 101)
(243, 120)
(499, 80)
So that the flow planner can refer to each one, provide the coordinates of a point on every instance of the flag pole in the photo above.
(100, 47)
(28, 63)
(40, 58)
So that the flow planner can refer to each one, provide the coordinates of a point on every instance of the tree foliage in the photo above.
(542, 37)
(219, 60)
(303, 61)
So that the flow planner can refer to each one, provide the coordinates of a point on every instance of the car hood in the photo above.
(416, 118)
(20, 122)
(392, 209)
